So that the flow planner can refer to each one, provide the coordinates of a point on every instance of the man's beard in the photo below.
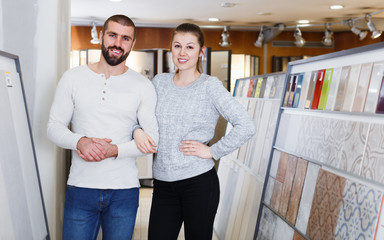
(112, 60)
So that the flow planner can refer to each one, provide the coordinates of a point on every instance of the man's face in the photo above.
(116, 43)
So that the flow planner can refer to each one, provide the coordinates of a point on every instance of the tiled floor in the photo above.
(142, 219)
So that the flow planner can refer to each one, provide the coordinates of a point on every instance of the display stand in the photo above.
(21, 201)
(324, 178)
(242, 173)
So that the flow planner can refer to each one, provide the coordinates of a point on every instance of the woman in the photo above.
(186, 186)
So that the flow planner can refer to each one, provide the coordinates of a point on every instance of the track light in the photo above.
(299, 38)
(328, 38)
(355, 30)
(375, 33)
(224, 38)
(260, 39)
(95, 39)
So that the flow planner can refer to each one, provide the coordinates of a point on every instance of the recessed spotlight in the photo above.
(227, 4)
(212, 19)
(336, 7)
(303, 21)
(264, 13)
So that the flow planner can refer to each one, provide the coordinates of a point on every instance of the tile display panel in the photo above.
(242, 173)
(340, 195)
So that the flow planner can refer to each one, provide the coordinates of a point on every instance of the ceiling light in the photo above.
(213, 19)
(336, 7)
(299, 38)
(355, 30)
(260, 39)
(375, 33)
(225, 38)
(328, 38)
(303, 21)
(227, 4)
(95, 38)
(115, 0)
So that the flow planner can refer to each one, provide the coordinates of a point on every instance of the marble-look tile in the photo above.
(275, 163)
(351, 88)
(362, 87)
(287, 134)
(373, 162)
(268, 138)
(297, 188)
(307, 197)
(269, 190)
(325, 206)
(282, 231)
(267, 225)
(343, 82)
(374, 86)
(333, 89)
(353, 145)
(287, 185)
(359, 212)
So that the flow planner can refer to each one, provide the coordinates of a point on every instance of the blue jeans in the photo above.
(87, 209)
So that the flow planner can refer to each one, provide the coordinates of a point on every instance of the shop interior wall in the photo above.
(242, 42)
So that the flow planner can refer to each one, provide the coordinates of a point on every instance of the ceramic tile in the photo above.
(269, 190)
(282, 231)
(333, 89)
(287, 135)
(343, 82)
(304, 89)
(297, 189)
(275, 163)
(352, 150)
(299, 85)
(268, 87)
(318, 89)
(325, 206)
(282, 167)
(249, 220)
(379, 231)
(374, 87)
(253, 157)
(267, 225)
(276, 195)
(373, 163)
(311, 89)
(325, 90)
(268, 138)
(350, 90)
(362, 87)
(307, 197)
(297, 236)
(287, 185)
(359, 212)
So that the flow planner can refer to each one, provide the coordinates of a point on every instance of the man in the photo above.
(103, 102)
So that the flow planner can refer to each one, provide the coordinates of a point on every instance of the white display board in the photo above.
(22, 212)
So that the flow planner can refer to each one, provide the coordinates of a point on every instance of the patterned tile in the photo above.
(359, 212)
(307, 197)
(373, 163)
(297, 189)
(325, 206)
(353, 147)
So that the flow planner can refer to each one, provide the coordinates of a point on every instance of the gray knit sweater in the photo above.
(191, 113)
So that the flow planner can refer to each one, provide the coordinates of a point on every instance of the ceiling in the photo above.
(244, 14)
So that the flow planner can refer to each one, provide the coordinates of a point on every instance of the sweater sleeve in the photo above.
(60, 116)
(243, 125)
(146, 120)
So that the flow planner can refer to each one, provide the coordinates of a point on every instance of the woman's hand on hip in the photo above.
(195, 148)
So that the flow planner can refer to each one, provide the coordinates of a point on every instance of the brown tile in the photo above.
(287, 185)
(276, 195)
(297, 189)
(325, 206)
(297, 236)
(282, 168)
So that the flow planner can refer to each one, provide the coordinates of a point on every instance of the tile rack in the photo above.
(372, 53)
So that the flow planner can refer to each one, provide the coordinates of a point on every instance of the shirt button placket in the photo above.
(104, 91)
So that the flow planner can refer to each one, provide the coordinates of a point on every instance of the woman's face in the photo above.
(185, 51)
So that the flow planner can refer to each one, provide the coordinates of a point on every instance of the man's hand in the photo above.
(94, 149)
(144, 142)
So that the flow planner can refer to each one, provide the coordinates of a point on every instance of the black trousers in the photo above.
(193, 201)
